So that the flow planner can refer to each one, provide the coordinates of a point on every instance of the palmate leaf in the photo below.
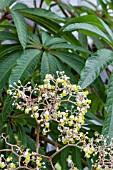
(72, 60)
(25, 65)
(48, 65)
(94, 66)
(6, 65)
(88, 29)
(20, 27)
(108, 124)
(47, 19)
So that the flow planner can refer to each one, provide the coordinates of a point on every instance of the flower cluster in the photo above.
(65, 103)
(6, 163)
(24, 158)
(103, 153)
(56, 100)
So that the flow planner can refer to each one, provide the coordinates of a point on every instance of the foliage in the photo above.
(35, 42)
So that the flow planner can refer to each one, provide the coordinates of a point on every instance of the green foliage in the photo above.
(20, 27)
(25, 65)
(94, 66)
(108, 124)
(37, 41)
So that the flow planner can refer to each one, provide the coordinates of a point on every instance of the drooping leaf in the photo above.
(109, 31)
(25, 65)
(89, 19)
(108, 124)
(21, 27)
(8, 36)
(42, 13)
(48, 65)
(94, 66)
(72, 60)
(48, 24)
(7, 49)
(6, 64)
(88, 29)
(12, 27)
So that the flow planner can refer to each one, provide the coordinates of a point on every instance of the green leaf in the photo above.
(63, 67)
(21, 28)
(12, 27)
(89, 19)
(42, 13)
(6, 64)
(99, 86)
(25, 65)
(88, 29)
(48, 24)
(8, 36)
(92, 116)
(94, 66)
(72, 60)
(54, 41)
(2, 4)
(19, 6)
(10, 2)
(108, 124)
(21, 135)
(6, 49)
(69, 46)
(64, 156)
(45, 38)
(48, 64)
(7, 108)
(109, 31)
(76, 157)
(30, 143)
